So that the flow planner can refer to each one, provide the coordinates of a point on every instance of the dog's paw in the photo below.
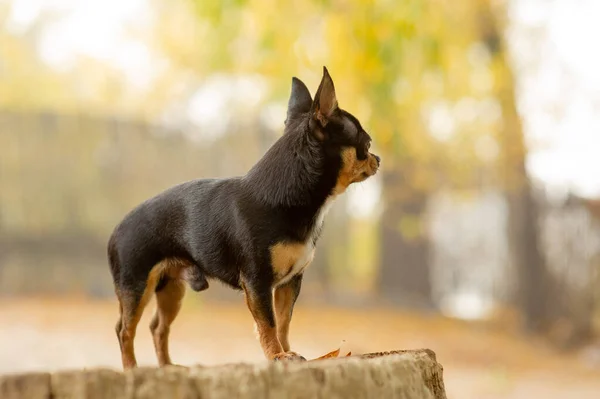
(289, 357)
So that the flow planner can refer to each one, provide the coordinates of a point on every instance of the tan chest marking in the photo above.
(289, 259)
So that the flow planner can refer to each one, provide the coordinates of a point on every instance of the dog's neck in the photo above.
(293, 172)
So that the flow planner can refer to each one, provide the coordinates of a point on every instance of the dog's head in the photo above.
(336, 131)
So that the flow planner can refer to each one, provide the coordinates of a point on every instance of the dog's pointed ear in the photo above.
(300, 100)
(325, 100)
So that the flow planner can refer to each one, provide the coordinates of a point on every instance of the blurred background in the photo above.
(480, 239)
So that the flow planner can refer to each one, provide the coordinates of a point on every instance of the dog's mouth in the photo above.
(367, 173)
(373, 166)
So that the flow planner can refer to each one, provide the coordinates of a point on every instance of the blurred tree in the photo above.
(398, 66)
(534, 295)
(22, 72)
(86, 85)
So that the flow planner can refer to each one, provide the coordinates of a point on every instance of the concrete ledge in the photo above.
(398, 374)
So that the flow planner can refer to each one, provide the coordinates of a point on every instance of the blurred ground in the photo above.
(49, 334)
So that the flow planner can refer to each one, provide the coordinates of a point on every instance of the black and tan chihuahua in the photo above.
(256, 233)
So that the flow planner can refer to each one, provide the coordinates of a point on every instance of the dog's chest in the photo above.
(290, 259)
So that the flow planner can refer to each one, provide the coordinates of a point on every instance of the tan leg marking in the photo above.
(168, 304)
(284, 300)
(132, 310)
(267, 334)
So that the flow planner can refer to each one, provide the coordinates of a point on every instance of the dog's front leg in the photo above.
(259, 298)
(285, 298)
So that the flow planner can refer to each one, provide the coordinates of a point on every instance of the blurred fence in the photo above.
(65, 181)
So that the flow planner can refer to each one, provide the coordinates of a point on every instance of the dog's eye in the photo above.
(368, 146)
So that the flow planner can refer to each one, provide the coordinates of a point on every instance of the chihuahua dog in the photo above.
(256, 233)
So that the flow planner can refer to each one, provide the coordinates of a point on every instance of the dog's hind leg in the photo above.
(132, 301)
(169, 295)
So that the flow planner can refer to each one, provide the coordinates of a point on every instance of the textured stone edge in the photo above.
(411, 373)
(433, 372)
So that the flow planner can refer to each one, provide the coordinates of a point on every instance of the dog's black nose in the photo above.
(377, 159)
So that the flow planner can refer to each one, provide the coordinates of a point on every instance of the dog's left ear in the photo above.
(300, 100)
(325, 100)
